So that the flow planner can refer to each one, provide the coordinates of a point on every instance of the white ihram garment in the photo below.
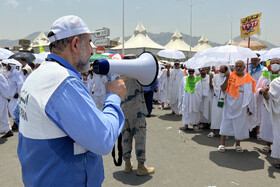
(235, 116)
(273, 105)
(15, 83)
(256, 76)
(99, 90)
(4, 95)
(217, 112)
(263, 115)
(205, 105)
(175, 78)
(163, 87)
(190, 102)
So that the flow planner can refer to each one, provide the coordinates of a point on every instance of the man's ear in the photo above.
(75, 45)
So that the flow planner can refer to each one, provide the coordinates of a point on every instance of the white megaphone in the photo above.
(144, 68)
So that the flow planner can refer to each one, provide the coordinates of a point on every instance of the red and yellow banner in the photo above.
(250, 25)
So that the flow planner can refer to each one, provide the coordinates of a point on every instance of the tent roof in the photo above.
(40, 40)
(203, 39)
(177, 42)
(140, 39)
(202, 44)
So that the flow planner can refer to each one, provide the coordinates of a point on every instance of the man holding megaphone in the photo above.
(62, 134)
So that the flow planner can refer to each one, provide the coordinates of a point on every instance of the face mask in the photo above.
(275, 67)
(222, 74)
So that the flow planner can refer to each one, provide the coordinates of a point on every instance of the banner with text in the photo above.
(250, 25)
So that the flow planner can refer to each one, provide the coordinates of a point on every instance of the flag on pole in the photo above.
(250, 25)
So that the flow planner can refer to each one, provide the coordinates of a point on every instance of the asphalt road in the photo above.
(180, 160)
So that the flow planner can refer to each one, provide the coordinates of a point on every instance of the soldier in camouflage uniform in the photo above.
(134, 109)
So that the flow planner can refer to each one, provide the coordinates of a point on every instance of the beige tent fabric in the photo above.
(202, 44)
(40, 40)
(139, 39)
(178, 43)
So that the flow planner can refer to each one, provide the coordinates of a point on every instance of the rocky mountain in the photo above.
(162, 38)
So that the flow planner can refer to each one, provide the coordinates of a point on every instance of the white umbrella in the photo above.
(171, 53)
(39, 58)
(12, 62)
(196, 63)
(227, 52)
(272, 53)
(4, 53)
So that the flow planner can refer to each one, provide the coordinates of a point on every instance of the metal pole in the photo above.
(123, 30)
(190, 30)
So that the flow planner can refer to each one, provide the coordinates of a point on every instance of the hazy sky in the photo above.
(19, 18)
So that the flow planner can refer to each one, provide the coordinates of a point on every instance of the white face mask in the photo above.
(222, 74)
(275, 67)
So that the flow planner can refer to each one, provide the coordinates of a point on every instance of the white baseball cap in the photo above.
(67, 26)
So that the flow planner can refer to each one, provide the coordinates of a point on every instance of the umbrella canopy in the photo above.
(98, 56)
(229, 52)
(116, 56)
(196, 63)
(29, 57)
(41, 57)
(254, 45)
(171, 53)
(272, 53)
(12, 62)
(4, 53)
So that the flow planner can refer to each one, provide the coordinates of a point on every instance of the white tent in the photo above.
(178, 43)
(40, 40)
(139, 42)
(202, 44)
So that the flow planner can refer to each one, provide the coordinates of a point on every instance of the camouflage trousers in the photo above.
(136, 129)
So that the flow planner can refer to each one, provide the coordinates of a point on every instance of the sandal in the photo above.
(210, 135)
(196, 128)
(221, 148)
(238, 149)
(266, 149)
(184, 128)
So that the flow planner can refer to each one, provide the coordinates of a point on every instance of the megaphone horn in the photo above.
(144, 68)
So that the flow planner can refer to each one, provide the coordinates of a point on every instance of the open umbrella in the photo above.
(272, 53)
(4, 53)
(29, 57)
(98, 56)
(171, 53)
(116, 56)
(254, 45)
(227, 52)
(41, 57)
(196, 63)
(12, 62)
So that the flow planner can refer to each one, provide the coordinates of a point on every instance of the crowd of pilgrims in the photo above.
(206, 98)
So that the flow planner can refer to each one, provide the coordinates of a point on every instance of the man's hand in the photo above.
(16, 96)
(227, 74)
(265, 92)
(117, 87)
(156, 90)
